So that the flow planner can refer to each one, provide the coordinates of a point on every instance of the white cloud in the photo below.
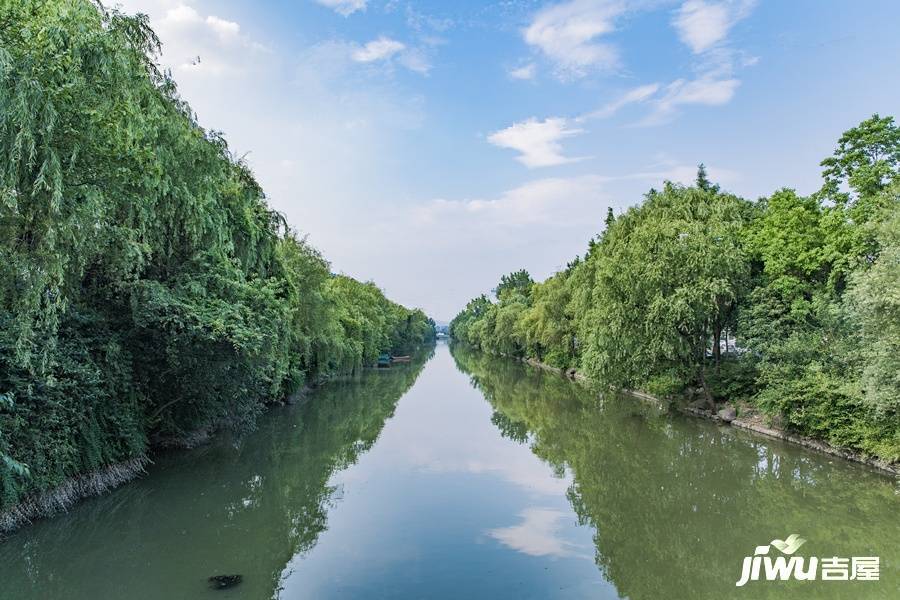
(344, 8)
(386, 49)
(379, 49)
(706, 91)
(633, 96)
(225, 29)
(568, 34)
(701, 25)
(538, 225)
(182, 15)
(538, 142)
(704, 26)
(524, 72)
(197, 46)
(699, 91)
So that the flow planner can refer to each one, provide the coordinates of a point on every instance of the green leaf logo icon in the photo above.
(790, 545)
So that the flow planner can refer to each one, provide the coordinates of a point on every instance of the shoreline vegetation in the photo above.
(148, 292)
(51, 502)
(785, 308)
(750, 422)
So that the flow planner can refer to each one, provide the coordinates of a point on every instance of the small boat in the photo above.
(399, 359)
(384, 360)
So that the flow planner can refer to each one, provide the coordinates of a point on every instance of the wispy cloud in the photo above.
(416, 60)
(344, 7)
(540, 224)
(701, 25)
(385, 49)
(524, 72)
(569, 33)
(706, 91)
(546, 202)
(378, 49)
(633, 96)
(704, 27)
(549, 202)
(538, 142)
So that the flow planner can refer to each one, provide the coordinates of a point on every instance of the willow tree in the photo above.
(668, 275)
(547, 326)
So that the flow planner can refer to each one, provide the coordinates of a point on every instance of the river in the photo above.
(465, 476)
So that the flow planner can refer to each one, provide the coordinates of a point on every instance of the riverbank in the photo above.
(59, 499)
(62, 497)
(749, 421)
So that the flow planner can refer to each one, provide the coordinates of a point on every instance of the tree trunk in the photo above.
(701, 374)
(717, 351)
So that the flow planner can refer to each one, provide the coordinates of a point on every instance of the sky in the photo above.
(433, 146)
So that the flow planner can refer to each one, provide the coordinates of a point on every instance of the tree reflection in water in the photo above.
(676, 503)
(240, 505)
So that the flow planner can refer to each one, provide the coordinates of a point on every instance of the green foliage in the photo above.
(801, 292)
(875, 310)
(668, 275)
(497, 327)
(702, 181)
(547, 325)
(867, 158)
(13, 467)
(518, 282)
(146, 288)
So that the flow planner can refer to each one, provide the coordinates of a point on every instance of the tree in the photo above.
(518, 282)
(702, 182)
(867, 158)
(668, 277)
(547, 326)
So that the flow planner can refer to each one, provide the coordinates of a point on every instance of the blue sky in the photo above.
(433, 146)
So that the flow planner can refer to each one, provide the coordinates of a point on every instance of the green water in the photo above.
(468, 477)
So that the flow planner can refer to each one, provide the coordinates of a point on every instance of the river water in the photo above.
(465, 476)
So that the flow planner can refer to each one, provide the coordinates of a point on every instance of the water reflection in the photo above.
(486, 480)
(537, 534)
(675, 504)
(237, 506)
